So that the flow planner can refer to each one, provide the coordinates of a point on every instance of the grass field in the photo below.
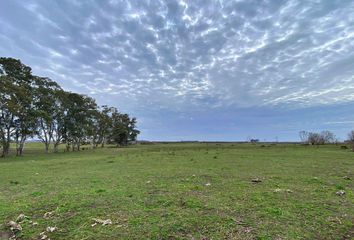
(182, 191)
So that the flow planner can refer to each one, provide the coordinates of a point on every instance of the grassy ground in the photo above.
(183, 191)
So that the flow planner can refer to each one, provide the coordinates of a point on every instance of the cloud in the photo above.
(344, 122)
(189, 53)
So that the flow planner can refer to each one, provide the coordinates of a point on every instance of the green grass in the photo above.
(160, 192)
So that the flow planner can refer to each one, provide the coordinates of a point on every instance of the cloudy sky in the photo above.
(188, 70)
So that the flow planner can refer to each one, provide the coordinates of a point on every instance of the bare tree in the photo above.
(328, 137)
(304, 136)
(314, 138)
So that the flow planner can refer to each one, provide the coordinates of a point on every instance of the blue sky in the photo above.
(197, 70)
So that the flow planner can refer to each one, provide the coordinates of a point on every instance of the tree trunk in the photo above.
(20, 150)
(20, 142)
(55, 148)
(46, 147)
(17, 149)
(103, 142)
(3, 152)
(5, 149)
(6, 144)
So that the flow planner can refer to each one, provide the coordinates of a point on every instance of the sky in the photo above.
(199, 69)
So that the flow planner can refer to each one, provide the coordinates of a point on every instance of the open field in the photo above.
(182, 191)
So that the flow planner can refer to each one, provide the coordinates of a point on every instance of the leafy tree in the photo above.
(17, 115)
(59, 118)
(25, 118)
(79, 119)
(46, 107)
(102, 125)
(123, 129)
(133, 132)
(7, 113)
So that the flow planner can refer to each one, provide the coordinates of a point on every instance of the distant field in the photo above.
(182, 191)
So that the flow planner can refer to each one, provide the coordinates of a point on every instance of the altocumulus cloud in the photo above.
(178, 54)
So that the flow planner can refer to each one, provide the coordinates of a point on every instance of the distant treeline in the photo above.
(314, 138)
(37, 107)
(324, 137)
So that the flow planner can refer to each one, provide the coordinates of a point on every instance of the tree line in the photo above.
(37, 107)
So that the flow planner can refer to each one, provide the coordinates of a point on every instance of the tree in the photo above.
(314, 138)
(7, 114)
(351, 139)
(25, 118)
(304, 136)
(102, 126)
(328, 136)
(123, 129)
(119, 133)
(59, 118)
(79, 119)
(133, 132)
(46, 106)
(16, 113)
